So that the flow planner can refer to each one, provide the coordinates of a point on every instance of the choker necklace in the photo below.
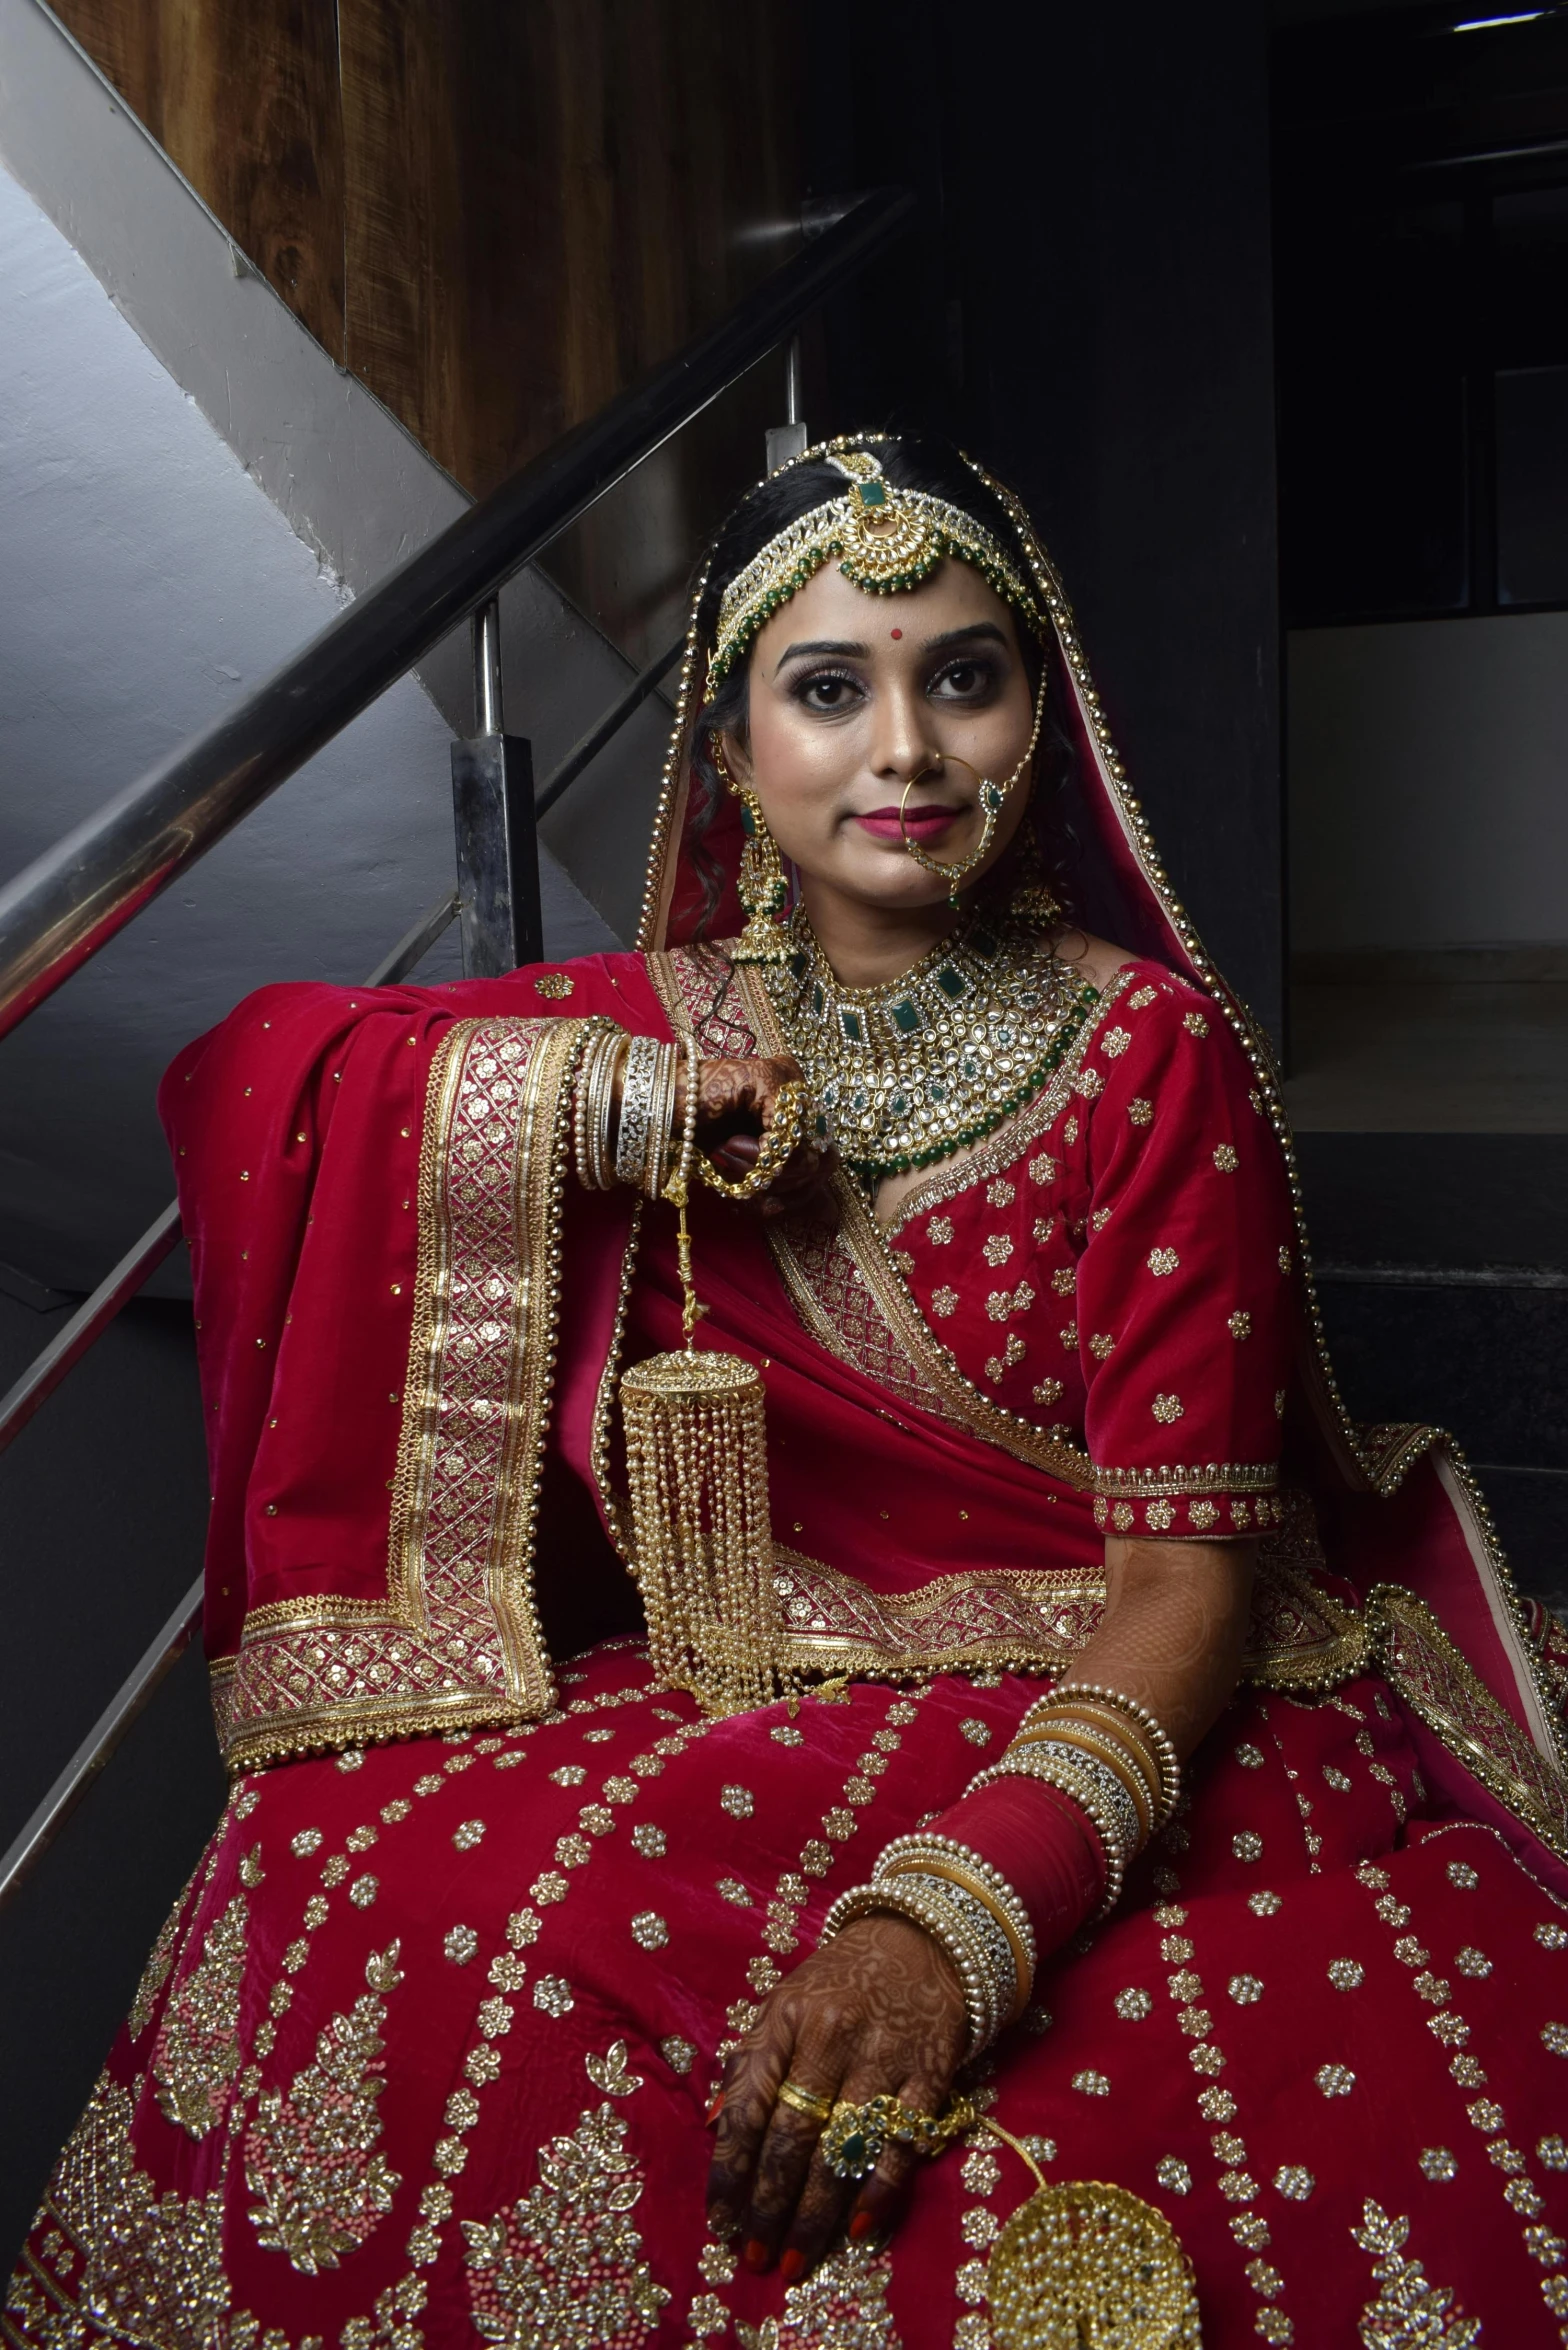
(907, 1073)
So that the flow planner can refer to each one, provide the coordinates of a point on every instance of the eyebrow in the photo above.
(965, 636)
(846, 650)
(822, 645)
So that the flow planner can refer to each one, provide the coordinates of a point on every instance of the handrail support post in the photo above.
(487, 668)
(497, 832)
(788, 440)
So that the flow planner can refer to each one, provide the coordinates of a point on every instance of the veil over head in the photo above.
(1121, 887)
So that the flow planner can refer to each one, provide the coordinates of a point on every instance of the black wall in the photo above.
(1087, 307)
(103, 1507)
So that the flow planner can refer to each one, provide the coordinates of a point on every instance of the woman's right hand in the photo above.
(736, 1103)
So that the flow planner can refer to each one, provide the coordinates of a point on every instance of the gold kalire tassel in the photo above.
(697, 1457)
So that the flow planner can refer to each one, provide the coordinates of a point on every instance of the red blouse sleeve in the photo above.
(1184, 1297)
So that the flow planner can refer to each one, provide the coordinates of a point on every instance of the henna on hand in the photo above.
(736, 1101)
(877, 2010)
(1174, 1629)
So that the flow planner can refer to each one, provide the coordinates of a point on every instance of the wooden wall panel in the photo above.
(542, 201)
(245, 101)
(496, 215)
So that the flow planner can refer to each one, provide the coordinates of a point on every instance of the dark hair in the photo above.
(920, 461)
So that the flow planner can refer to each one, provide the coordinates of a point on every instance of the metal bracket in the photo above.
(497, 839)
(786, 441)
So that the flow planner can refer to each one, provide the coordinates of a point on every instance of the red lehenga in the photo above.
(423, 2055)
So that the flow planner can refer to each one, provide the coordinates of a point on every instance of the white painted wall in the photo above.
(351, 481)
(1428, 784)
(146, 582)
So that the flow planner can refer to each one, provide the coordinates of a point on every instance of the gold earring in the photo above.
(1032, 903)
(763, 882)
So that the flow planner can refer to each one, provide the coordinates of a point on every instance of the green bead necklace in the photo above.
(905, 1074)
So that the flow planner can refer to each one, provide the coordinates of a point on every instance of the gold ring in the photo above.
(805, 2101)
(857, 2135)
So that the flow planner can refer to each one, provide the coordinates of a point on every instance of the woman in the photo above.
(1114, 1766)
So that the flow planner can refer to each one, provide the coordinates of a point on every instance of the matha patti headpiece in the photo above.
(887, 540)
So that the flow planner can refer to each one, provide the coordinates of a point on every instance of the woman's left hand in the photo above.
(737, 1100)
(878, 2010)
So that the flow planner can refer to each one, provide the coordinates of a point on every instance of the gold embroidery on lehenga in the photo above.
(151, 2268)
(1216, 2104)
(310, 2154)
(1409, 2313)
(565, 2264)
(160, 1960)
(197, 2051)
(1452, 2032)
(391, 2328)
(842, 2305)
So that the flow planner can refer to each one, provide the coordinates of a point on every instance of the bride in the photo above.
(835, 1739)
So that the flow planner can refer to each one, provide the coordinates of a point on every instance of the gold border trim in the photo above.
(457, 1640)
(1182, 1477)
(1300, 1638)
(1437, 1681)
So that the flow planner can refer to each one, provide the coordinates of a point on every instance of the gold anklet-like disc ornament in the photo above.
(1088, 2266)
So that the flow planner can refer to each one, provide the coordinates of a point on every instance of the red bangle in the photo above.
(1043, 1846)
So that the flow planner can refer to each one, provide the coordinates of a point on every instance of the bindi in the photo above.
(898, 632)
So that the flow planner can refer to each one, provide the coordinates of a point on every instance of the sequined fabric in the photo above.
(473, 1994)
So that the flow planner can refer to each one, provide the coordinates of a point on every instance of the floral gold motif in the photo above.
(310, 2155)
(197, 2052)
(1408, 2313)
(564, 2266)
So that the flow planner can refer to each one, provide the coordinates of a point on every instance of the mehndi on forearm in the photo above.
(1043, 1838)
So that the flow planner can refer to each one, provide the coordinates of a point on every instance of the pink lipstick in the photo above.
(921, 824)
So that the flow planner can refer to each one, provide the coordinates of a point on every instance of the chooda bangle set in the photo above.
(1109, 1756)
(1112, 1760)
(623, 1114)
(969, 1909)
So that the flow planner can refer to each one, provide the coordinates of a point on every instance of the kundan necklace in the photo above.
(907, 1073)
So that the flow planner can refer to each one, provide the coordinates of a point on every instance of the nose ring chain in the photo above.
(992, 800)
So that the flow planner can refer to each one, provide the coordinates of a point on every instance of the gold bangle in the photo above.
(603, 1137)
(934, 1863)
(1142, 1785)
(588, 1108)
(804, 2101)
(1093, 1697)
(601, 1160)
(774, 1151)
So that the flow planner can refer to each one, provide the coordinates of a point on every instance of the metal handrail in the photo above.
(93, 1316)
(58, 913)
(73, 899)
